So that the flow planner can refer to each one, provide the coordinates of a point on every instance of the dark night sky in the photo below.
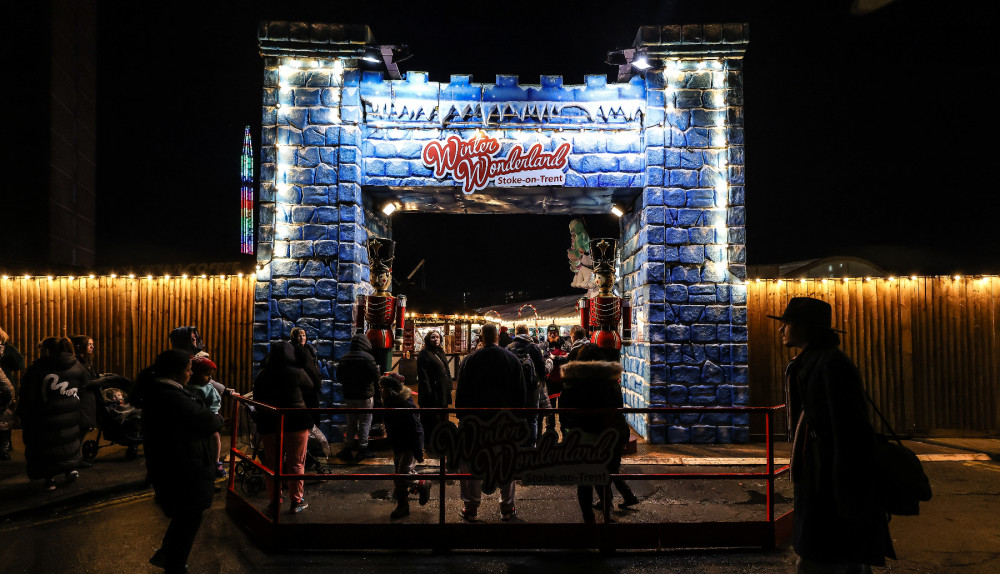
(863, 134)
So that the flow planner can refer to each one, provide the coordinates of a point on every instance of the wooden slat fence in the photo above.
(927, 347)
(130, 318)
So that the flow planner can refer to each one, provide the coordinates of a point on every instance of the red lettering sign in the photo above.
(474, 162)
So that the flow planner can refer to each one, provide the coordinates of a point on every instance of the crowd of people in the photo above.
(837, 521)
(172, 409)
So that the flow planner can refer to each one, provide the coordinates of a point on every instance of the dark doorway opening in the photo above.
(472, 261)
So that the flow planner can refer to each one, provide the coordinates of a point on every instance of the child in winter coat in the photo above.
(202, 371)
(127, 416)
(406, 435)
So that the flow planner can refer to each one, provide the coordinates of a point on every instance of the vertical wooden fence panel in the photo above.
(927, 347)
(129, 318)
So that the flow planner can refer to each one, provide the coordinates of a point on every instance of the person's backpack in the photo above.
(527, 366)
(900, 479)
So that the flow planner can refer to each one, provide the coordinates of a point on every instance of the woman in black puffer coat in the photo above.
(283, 384)
(180, 454)
(591, 382)
(50, 410)
(434, 382)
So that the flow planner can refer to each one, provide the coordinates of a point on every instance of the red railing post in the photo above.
(770, 466)
(235, 429)
(441, 480)
(278, 469)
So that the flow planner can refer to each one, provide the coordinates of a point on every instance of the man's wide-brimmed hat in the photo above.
(807, 311)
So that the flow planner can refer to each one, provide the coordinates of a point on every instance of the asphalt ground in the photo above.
(112, 475)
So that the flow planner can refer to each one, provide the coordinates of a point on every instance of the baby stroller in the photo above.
(117, 421)
(249, 477)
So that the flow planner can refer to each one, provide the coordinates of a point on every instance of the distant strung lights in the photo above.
(130, 276)
(888, 279)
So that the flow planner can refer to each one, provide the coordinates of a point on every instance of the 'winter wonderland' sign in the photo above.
(473, 163)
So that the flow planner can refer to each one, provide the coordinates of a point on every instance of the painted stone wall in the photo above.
(337, 142)
(684, 242)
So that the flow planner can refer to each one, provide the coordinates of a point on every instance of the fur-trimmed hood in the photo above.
(588, 370)
(391, 397)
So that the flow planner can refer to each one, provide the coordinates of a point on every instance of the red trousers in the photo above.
(294, 461)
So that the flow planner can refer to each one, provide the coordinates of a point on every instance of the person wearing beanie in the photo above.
(188, 340)
(202, 371)
(406, 435)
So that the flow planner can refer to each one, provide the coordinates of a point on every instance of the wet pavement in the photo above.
(110, 507)
(367, 501)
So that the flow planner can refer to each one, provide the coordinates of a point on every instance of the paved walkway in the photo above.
(112, 475)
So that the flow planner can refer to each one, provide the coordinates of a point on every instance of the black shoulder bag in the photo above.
(902, 484)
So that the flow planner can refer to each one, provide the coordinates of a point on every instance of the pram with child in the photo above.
(118, 422)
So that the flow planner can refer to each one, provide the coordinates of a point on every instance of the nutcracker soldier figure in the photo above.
(382, 312)
(603, 312)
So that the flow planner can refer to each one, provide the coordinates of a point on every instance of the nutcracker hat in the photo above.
(603, 250)
(381, 252)
(807, 311)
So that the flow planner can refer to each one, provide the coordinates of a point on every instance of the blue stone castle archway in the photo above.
(338, 143)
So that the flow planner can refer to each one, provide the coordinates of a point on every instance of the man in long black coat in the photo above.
(839, 524)
(180, 455)
(490, 377)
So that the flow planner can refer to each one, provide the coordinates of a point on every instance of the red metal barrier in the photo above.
(270, 531)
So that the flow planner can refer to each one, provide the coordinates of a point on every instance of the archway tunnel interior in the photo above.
(447, 262)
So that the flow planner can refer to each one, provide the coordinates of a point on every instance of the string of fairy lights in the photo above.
(241, 275)
(128, 276)
(674, 78)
